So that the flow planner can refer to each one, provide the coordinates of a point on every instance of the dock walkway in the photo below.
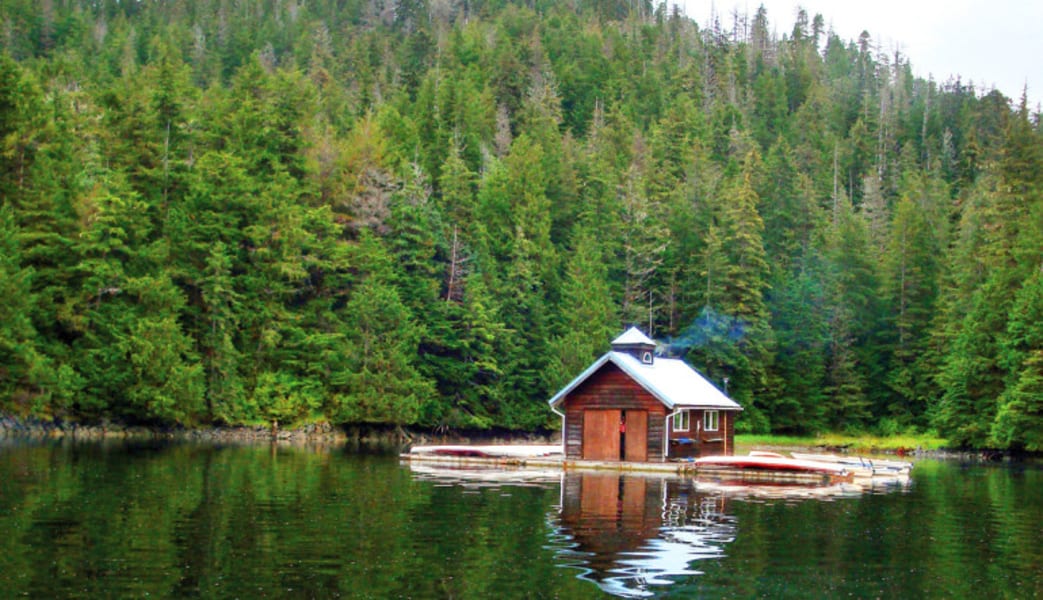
(550, 457)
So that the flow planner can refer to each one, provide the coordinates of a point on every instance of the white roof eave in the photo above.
(628, 368)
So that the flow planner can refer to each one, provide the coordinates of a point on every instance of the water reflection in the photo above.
(632, 533)
(476, 478)
(628, 533)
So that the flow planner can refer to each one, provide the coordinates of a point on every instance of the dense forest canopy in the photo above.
(436, 213)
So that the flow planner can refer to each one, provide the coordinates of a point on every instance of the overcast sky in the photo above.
(994, 43)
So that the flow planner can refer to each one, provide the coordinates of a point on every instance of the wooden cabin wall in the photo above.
(710, 443)
(723, 440)
(611, 388)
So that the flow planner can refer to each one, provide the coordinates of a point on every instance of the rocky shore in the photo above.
(368, 435)
(12, 427)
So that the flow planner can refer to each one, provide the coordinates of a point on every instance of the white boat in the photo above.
(860, 465)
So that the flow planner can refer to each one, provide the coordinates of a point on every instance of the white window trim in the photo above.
(716, 420)
(686, 418)
(646, 358)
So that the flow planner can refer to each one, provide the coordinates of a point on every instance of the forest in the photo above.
(435, 213)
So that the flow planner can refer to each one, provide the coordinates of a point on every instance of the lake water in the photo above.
(133, 520)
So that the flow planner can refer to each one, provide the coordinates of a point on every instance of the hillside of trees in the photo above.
(436, 213)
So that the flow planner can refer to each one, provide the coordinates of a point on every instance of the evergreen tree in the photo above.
(854, 309)
(735, 299)
(526, 284)
(644, 242)
(21, 361)
(997, 228)
(1019, 419)
(911, 282)
(587, 313)
(380, 383)
(136, 360)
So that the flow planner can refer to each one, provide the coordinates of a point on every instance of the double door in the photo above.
(613, 434)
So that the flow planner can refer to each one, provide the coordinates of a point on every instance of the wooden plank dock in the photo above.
(550, 457)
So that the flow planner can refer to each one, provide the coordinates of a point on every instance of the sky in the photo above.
(992, 43)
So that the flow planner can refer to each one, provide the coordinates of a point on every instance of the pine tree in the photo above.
(20, 360)
(466, 339)
(999, 226)
(137, 361)
(644, 241)
(221, 307)
(380, 383)
(853, 317)
(587, 313)
(519, 225)
(911, 282)
(1019, 419)
(735, 299)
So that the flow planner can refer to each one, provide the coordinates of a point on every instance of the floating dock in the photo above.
(550, 457)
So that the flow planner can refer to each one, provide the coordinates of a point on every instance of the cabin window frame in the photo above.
(712, 420)
(646, 357)
(679, 418)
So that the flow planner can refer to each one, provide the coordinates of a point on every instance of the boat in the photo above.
(769, 466)
(860, 465)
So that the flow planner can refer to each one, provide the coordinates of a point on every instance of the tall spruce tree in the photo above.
(23, 364)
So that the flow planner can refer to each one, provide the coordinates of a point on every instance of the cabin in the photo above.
(631, 405)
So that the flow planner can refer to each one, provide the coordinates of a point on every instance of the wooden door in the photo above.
(601, 434)
(637, 436)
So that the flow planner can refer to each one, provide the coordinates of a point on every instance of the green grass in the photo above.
(855, 443)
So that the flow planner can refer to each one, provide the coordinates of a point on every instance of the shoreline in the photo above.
(391, 437)
(376, 435)
(14, 427)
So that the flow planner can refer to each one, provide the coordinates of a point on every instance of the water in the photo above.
(131, 520)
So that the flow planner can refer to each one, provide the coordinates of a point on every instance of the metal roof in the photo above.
(633, 336)
(672, 381)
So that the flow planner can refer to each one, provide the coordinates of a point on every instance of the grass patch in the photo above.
(854, 443)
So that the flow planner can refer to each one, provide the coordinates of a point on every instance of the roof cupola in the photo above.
(636, 344)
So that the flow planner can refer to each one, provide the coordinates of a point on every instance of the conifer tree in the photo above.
(528, 279)
(136, 359)
(1019, 419)
(23, 364)
(735, 317)
(587, 312)
(381, 383)
(853, 309)
(911, 280)
(644, 241)
(998, 226)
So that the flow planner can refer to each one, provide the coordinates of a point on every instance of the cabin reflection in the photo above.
(628, 533)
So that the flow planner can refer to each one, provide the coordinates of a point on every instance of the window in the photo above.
(681, 421)
(646, 358)
(711, 420)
